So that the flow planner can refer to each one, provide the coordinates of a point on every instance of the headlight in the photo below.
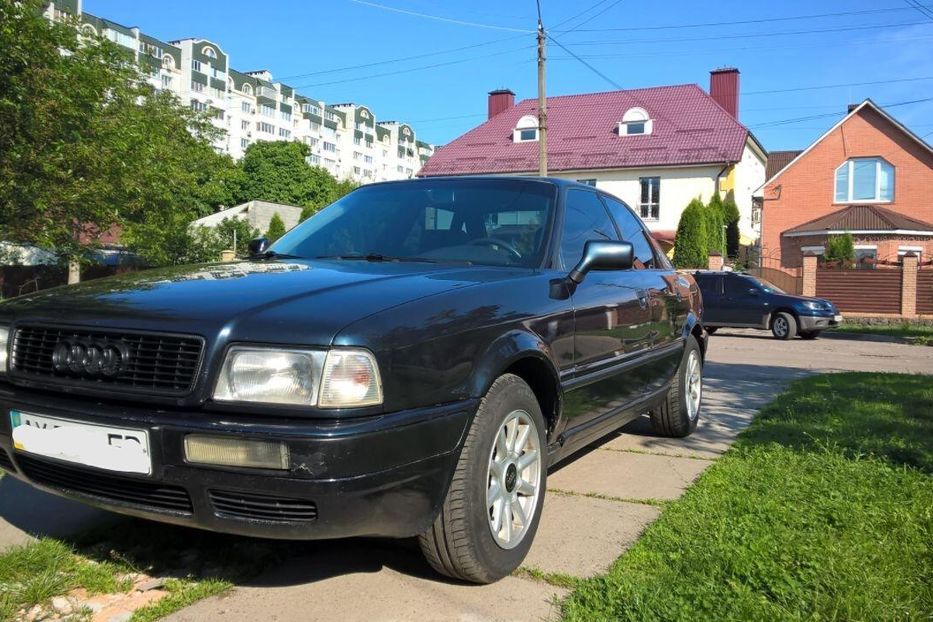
(4, 348)
(813, 305)
(339, 378)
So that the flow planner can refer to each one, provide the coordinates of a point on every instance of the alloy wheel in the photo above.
(513, 479)
(694, 385)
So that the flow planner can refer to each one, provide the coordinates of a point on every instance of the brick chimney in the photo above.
(499, 100)
(851, 107)
(724, 89)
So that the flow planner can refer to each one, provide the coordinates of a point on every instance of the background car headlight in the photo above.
(813, 305)
(4, 348)
(269, 375)
(350, 379)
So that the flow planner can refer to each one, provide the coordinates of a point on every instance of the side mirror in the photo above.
(258, 246)
(602, 255)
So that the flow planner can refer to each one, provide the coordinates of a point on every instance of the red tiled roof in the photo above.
(689, 128)
(777, 160)
(862, 218)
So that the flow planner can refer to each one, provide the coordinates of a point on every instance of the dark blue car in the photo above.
(738, 300)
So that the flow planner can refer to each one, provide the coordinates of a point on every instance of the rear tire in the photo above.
(679, 413)
(784, 326)
(491, 513)
(809, 334)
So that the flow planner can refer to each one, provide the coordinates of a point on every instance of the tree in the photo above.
(840, 248)
(691, 244)
(276, 228)
(731, 215)
(278, 171)
(716, 239)
(86, 144)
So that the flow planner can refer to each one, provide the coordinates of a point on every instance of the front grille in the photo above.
(155, 363)
(6, 462)
(249, 506)
(148, 495)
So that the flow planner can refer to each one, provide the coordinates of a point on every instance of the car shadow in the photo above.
(734, 392)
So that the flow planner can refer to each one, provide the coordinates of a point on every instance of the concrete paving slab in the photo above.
(342, 583)
(582, 536)
(627, 475)
(27, 513)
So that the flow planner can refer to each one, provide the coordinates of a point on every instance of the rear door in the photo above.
(612, 319)
(743, 302)
(711, 289)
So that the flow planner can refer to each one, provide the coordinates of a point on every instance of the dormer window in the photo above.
(526, 130)
(635, 122)
(209, 52)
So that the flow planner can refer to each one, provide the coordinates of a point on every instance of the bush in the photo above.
(716, 240)
(840, 248)
(730, 213)
(691, 245)
(276, 228)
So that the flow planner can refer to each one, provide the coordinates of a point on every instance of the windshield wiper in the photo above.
(275, 255)
(378, 257)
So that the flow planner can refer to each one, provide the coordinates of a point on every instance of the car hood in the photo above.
(273, 301)
(791, 299)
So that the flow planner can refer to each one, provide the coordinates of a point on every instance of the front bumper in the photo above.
(376, 476)
(819, 322)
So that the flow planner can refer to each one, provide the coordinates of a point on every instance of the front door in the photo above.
(612, 319)
(742, 301)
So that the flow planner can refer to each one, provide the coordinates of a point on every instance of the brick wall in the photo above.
(805, 191)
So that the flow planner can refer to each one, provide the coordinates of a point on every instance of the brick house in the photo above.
(868, 175)
(654, 148)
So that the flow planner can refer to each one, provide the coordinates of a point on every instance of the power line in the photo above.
(833, 114)
(753, 35)
(398, 60)
(592, 17)
(834, 86)
(586, 64)
(439, 18)
(749, 21)
(412, 69)
(920, 8)
(576, 15)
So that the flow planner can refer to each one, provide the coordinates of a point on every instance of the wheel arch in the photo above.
(527, 356)
(694, 327)
(783, 309)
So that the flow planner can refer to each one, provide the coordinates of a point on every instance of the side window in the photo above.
(737, 285)
(633, 232)
(585, 219)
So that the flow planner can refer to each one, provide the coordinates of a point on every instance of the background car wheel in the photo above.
(809, 334)
(678, 414)
(490, 515)
(712, 331)
(784, 326)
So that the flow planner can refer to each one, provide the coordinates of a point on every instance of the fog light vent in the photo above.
(236, 452)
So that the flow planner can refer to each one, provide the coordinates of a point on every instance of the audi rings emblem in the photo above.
(89, 357)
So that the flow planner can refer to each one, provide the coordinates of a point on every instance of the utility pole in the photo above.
(542, 100)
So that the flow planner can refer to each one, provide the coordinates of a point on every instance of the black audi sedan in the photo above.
(409, 361)
(738, 300)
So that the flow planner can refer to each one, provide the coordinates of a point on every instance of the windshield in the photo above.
(767, 286)
(495, 222)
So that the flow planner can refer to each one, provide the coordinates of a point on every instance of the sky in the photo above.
(793, 55)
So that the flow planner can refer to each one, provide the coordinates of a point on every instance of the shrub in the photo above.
(730, 213)
(715, 237)
(691, 244)
(276, 228)
(841, 248)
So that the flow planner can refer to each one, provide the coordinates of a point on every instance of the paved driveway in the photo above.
(597, 505)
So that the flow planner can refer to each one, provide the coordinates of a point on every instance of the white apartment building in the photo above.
(346, 139)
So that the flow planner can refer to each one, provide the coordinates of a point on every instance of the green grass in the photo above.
(917, 333)
(823, 510)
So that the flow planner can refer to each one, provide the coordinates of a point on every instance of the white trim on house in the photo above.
(818, 250)
(910, 249)
(866, 247)
(867, 102)
(803, 234)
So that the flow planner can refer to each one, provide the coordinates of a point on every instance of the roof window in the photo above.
(635, 122)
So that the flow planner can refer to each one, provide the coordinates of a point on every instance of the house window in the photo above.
(916, 250)
(267, 128)
(865, 252)
(245, 107)
(650, 202)
(244, 125)
(196, 65)
(357, 140)
(330, 147)
(283, 133)
(588, 182)
(864, 179)
(314, 159)
(266, 110)
(209, 52)
(819, 251)
(247, 89)
(635, 122)
(367, 159)
(526, 130)
(286, 116)
(198, 106)
(244, 143)
(197, 87)
(166, 82)
(168, 63)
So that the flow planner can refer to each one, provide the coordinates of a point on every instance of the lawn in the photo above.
(823, 510)
(916, 333)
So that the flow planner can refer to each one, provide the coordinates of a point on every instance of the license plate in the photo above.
(838, 318)
(115, 449)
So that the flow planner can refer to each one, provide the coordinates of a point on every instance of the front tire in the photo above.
(490, 515)
(679, 413)
(784, 326)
